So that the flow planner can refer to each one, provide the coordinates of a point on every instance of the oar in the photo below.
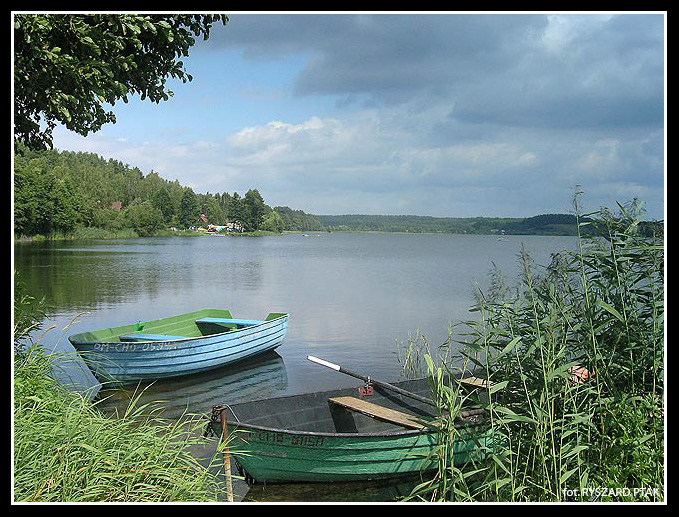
(370, 380)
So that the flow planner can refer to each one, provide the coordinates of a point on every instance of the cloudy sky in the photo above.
(444, 114)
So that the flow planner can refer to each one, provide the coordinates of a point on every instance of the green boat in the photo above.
(337, 435)
(177, 345)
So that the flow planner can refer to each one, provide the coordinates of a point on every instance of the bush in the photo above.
(144, 218)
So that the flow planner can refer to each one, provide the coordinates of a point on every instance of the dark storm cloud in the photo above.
(597, 78)
(410, 54)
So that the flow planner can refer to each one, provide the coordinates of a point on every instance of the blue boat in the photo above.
(177, 345)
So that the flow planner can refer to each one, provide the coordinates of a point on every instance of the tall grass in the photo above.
(575, 355)
(66, 450)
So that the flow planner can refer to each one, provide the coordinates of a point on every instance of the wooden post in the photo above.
(227, 457)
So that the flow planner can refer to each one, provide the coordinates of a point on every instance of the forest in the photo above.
(58, 192)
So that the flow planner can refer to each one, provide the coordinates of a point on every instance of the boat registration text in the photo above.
(133, 347)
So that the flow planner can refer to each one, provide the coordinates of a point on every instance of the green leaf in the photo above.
(568, 474)
(574, 451)
(497, 387)
(510, 346)
(65, 113)
(512, 416)
(88, 447)
(609, 308)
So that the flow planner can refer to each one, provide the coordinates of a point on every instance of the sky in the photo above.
(435, 113)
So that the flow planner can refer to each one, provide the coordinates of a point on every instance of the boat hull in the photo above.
(304, 438)
(284, 457)
(114, 360)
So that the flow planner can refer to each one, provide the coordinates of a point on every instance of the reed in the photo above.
(66, 450)
(576, 355)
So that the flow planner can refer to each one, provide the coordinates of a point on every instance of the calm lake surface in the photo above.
(352, 299)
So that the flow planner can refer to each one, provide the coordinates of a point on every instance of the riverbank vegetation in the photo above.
(58, 194)
(545, 224)
(575, 356)
(548, 224)
(66, 450)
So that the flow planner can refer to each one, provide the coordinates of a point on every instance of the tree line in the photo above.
(57, 192)
(544, 224)
(547, 224)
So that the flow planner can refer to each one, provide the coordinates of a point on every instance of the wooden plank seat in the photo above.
(230, 321)
(149, 337)
(476, 381)
(379, 412)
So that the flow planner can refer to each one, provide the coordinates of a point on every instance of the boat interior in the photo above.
(340, 411)
(204, 322)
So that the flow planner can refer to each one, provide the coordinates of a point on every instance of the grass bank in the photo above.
(65, 450)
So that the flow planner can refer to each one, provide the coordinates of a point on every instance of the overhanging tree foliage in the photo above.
(66, 66)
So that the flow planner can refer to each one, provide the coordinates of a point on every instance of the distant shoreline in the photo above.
(545, 225)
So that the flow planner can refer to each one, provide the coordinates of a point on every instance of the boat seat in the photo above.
(230, 321)
(150, 337)
(476, 381)
(379, 412)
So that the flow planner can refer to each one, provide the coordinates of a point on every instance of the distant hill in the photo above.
(547, 224)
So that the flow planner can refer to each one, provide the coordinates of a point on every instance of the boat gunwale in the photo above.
(236, 426)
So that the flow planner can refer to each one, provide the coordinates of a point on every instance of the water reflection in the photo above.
(351, 297)
(368, 491)
(257, 378)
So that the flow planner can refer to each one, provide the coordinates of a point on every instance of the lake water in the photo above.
(352, 299)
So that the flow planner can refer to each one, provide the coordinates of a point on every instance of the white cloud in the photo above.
(602, 158)
(563, 30)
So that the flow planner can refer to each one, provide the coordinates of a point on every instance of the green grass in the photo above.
(65, 450)
(557, 439)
